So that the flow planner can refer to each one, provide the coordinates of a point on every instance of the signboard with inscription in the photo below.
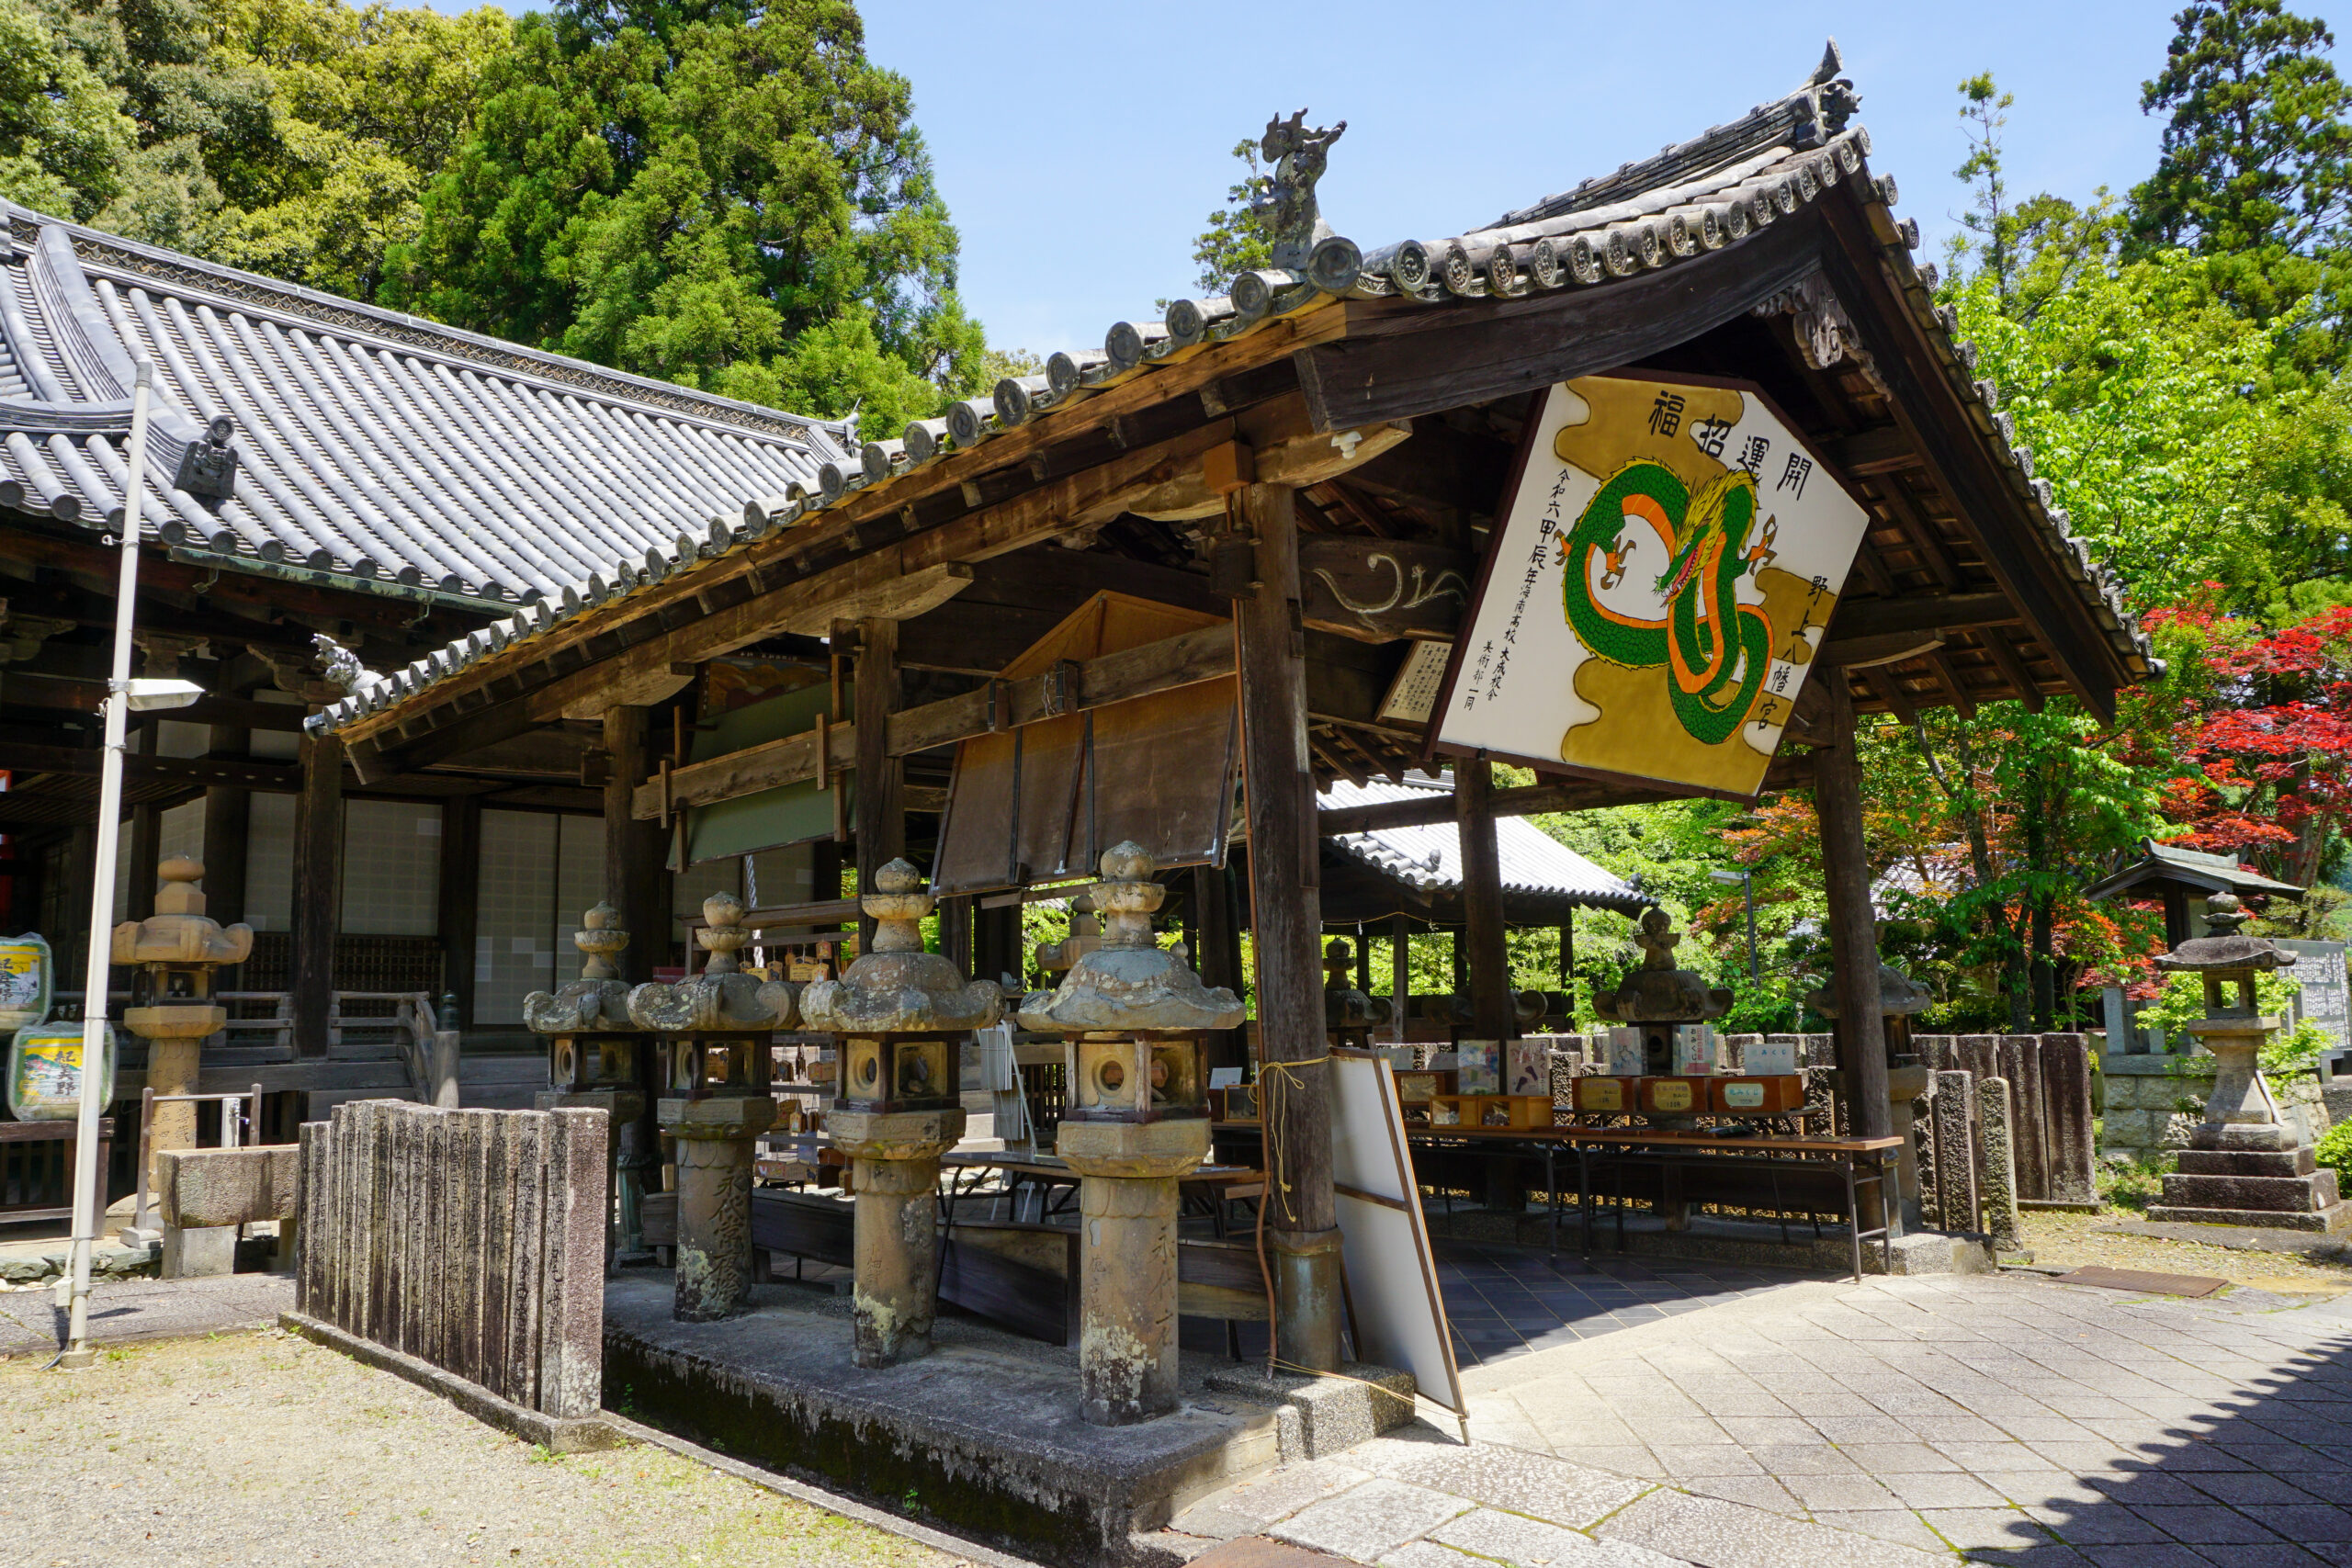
(1660, 580)
(2319, 970)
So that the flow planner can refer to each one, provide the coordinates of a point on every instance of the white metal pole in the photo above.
(89, 1190)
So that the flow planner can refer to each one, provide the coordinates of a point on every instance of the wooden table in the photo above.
(1668, 1149)
(1216, 1183)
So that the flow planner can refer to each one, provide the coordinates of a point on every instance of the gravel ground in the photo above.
(241, 1447)
(2057, 1237)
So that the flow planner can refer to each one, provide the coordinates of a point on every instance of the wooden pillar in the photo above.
(633, 851)
(1853, 932)
(228, 818)
(145, 846)
(1484, 958)
(955, 934)
(460, 919)
(881, 778)
(1400, 971)
(318, 888)
(1286, 920)
(636, 885)
(1219, 956)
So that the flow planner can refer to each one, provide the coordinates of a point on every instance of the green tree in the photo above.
(1236, 240)
(2255, 168)
(62, 131)
(2031, 251)
(729, 198)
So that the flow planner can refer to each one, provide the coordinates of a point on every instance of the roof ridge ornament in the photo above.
(1286, 197)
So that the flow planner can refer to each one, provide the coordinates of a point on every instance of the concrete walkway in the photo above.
(2007, 1419)
(126, 1309)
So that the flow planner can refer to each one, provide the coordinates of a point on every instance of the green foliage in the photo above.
(2256, 168)
(2291, 1051)
(732, 200)
(61, 130)
(2334, 1150)
(1236, 240)
(2028, 251)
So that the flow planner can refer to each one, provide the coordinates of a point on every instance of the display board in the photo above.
(1669, 556)
(2319, 970)
(1391, 1273)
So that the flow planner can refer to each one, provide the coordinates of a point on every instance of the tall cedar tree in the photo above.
(730, 198)
(2256, 161)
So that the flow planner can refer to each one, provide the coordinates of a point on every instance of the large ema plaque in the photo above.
(1665, 564)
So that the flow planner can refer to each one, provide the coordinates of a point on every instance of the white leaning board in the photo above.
(1392, 1275)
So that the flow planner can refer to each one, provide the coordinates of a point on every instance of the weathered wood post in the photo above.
(1484, 959)
(901, 1017)
(1286, 917)
(634, 854)
(1853, 929)
(318, 888)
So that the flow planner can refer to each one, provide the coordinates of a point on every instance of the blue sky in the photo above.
(1081, 145)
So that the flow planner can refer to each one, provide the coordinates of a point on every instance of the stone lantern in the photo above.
(172, 953)
(902, 1016)
(1348, 1014)
(1900, 999)
(2244, 1166)
(1658, 996)
(715, 1029)
(1135, 1121)
(593, 1058)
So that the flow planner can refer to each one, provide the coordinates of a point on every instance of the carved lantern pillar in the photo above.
(902, 1016)
(1900, 997)
(592, 1063)
(1135, 1122)
(173, 955)
(2245, 1165)
(715, 1030)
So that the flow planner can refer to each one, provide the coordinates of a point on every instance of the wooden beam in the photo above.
(1881, 449)
(1185, 660)
(768, 765)
(1438, 806)
(277, 777)
(1401, 361)
(1886, 647)
(1382, 590)
(1960, 612)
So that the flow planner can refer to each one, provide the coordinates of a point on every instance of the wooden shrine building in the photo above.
(1183, 579)
(330, 486)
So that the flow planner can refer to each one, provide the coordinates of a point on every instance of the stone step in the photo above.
(2270, 1194)
(2335, 1218)
(2299, 1161)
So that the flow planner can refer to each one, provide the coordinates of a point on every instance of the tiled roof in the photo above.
(2161, 862)
(372, 449)
(1428, 856)
(1705, 195)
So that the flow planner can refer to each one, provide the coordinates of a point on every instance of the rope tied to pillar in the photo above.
(1275, 1079)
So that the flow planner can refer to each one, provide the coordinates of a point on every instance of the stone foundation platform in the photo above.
(2252, 1176)
(982, 1437)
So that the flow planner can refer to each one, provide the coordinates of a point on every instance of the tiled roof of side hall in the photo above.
(295, 432)
(1696, 197)
(1429, 855)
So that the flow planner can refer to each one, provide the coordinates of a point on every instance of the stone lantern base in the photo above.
(716, 1139)
(2242, 1165)
(895, 1295)
(1127, 1293)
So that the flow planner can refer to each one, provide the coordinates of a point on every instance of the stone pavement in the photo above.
(2004, 1419)
(125, 1310)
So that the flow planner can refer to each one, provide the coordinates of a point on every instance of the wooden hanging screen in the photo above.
(1042, 801)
